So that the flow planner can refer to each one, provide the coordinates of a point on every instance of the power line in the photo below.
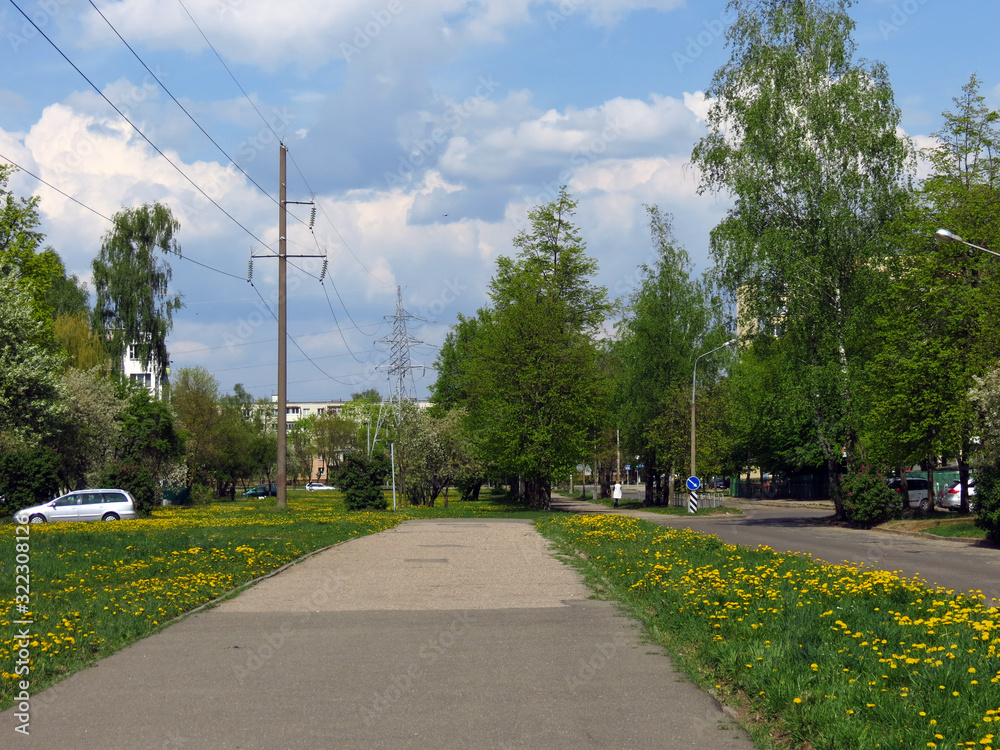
(223, 62)
(134, 126)
(98, 213)
(296, 343)
(53, 187)
(183, 109)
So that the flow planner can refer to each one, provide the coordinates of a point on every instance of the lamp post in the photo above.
(694, 379)
(943, 235)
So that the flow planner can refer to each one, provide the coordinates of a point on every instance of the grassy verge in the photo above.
(947, 526)
(818, 656)
(96, 587)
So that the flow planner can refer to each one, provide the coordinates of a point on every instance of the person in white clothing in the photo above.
(616, 493)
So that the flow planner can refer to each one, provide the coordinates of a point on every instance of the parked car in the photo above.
(319, 486)
(82, 505)
(262, 490)
(917, 489)
(950, 498)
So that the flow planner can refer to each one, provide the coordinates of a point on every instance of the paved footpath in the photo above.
(436, 634)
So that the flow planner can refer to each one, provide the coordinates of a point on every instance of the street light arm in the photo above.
(694, 374)
(943, 235)
(694, 383)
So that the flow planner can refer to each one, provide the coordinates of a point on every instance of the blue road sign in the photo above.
(693, 483)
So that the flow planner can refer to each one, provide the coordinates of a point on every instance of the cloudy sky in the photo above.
(424, 132)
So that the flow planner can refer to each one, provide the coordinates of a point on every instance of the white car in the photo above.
(319, 486)
(918, 492)
(82, 505)
(950, 498)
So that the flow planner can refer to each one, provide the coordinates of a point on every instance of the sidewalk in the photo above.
(436, 634)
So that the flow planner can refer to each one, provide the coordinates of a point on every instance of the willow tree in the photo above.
(805, 138)
(133, 305)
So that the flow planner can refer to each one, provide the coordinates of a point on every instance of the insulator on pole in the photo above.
(322, 273)
(250, 270)
(312, 217)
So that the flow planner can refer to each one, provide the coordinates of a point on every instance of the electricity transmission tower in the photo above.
(399, 365)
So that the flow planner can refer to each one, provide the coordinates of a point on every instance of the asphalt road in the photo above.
(958, 565)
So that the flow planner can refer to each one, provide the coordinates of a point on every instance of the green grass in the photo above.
(829, 657)
(965, 529)
(96, 587)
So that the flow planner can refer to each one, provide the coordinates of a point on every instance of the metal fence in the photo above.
(808, 487)
(708, 499)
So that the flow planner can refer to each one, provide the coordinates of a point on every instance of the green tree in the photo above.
(362, 478)
(89, 428)
(148, 446)
(194, 397)
(67, 295)
(807, 141)
(83, 346)
(532, 375)
(367, 410)
(19, 253)
(671, 319)
(31, 395)
(431, 451)
(938, 332)
(334, 437)
(301, 447)
(986, 398)
(133, 304)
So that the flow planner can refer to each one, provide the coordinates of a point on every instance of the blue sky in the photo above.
(425, 131)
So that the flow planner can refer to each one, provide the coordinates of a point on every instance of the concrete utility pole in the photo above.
(282, 333)
(282, 397)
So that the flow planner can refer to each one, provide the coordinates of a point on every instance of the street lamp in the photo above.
(694, 377)
(943, 235)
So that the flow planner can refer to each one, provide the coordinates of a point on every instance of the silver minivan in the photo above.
(82, 505)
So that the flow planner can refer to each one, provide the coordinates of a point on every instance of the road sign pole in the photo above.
(693, 484)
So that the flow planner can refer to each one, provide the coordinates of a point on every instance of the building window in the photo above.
(133, 352)
(320, 411)
(144, 378)
(292, 411)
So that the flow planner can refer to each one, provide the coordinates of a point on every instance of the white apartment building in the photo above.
(133, 369)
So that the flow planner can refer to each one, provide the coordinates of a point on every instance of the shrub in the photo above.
(362, 479)
(867, 499)
(27, 477)
(137, 480)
